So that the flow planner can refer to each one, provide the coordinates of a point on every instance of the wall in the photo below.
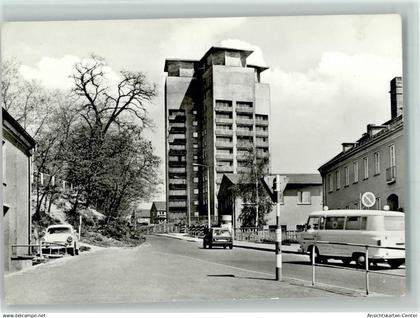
(17, 220)
(349, 196)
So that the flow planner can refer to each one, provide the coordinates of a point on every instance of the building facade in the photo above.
(374, 163)
(158, 212)
(215, 109)
(17, 148)
(302, 195)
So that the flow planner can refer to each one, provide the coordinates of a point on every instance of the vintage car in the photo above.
(218, 236)
(59, 239)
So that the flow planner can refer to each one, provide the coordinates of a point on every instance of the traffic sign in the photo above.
(368, 199)
(270, 184)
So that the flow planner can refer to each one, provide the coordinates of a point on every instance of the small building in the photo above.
(17, 147)
(374, 163)
(158, 212)
(141, 217)
(302, 195)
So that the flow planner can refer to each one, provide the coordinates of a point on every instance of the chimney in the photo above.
(374, 129)
(347, 145)
(396, 97)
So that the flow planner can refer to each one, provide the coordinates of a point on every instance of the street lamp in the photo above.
(208, 190)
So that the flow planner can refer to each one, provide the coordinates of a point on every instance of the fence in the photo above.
(366, 262)
(254, 234)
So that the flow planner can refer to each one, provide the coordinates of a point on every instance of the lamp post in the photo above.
(208, 190)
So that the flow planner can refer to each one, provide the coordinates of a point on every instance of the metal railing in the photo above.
(254, 234)
(366, 262)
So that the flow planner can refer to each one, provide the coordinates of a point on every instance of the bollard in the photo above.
(313, 264)
(367, 269)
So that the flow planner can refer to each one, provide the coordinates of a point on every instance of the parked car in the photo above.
(61, 238)
(218, 236)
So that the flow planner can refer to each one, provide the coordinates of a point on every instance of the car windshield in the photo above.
(58, 230)
(221, 232)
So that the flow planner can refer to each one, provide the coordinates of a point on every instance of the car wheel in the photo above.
(204, 246)
(71, 251)
(346, 261)
(224, 246)
(210, 246)
(230, 247)
(360, 260)
(318, 258)
(76, 250)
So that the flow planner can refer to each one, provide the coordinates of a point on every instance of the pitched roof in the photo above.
(159, 205)
(142, 213)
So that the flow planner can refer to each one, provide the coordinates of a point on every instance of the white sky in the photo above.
(329, 75)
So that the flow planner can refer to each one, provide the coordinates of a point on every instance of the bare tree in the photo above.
(103, 101)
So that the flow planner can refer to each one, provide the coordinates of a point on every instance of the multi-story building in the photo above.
(216, 108)
(17, 148)
(374, 163)
(302, 195)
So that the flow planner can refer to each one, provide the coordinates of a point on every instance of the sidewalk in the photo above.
(292, 248)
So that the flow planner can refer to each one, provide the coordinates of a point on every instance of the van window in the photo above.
(356, 223)
(394, 223)
(353, 223)
(334, 223)
(313, 223)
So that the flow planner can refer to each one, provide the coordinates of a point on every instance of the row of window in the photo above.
(335, 178)
(303, 197)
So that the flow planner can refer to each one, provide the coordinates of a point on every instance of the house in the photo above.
(141, 217)
(158, 212)
(302, 195)
(374, 163)
(17, 147)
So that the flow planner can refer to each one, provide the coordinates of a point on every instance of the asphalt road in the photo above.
(165, 269)
(294, 266)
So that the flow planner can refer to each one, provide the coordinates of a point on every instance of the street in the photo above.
(166, 269)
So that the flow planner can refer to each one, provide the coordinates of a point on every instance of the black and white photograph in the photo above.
(203, 159)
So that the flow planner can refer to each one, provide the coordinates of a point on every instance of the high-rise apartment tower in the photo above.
(216, 108)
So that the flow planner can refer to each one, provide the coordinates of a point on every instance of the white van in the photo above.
(367, 227)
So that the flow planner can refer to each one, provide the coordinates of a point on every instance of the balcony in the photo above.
(242, 156)
(177, 181)
(262, 133)
(244, 109)
(263, 144)
(228, 169)
(223, 120)
(177, 170)
(244, 121)
(177, 192)
(244, 133)
(177, 125)
(261, 122)
(244, 145)
(177, 204)
(223, 108)
(224, 144)
(391, 174)
(224, 156)
(243, 170)
(224, 132)
(177, 147)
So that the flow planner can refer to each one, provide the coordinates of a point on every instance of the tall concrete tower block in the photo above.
(216, 108)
